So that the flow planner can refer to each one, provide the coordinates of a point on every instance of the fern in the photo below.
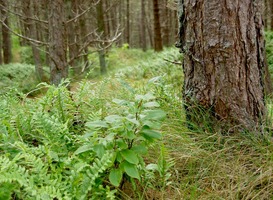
(93, 173)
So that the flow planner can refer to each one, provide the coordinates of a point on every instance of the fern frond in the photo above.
(93, 172)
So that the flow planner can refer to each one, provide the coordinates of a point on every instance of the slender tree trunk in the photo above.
(158, 46)
(142, 26)
(1, 45)
(271, 14)
(165, 26)
(127, 33)
(224, 62)
(101, 30)
(74, 33)
(6, 37)
(57, 42)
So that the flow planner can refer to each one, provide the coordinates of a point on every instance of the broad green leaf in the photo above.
(97, 124)
(152, 104)
(134, 121)
(83, 149)
(150, 134)
(155, 115)
(120, 102)
(99, 150)
(112, 118)
(121, 144)
(115, 177)
(130, 156)
(152, 124)
(152, 167)
(146, 97)
(129, 135)
(140, 149)
(131, 170)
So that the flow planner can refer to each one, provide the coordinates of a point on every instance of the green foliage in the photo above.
(26, 55)
(67, 145)
(19, 76)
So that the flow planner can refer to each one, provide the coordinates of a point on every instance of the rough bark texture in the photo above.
(57, 42)
(6, 38)
(157, 28)
(224, 63)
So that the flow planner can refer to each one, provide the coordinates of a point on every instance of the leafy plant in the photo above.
(127, 134)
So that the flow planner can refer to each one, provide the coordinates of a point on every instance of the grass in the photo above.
(201, 165)
(207, 165)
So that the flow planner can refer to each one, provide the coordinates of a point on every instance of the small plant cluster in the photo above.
(76, 145)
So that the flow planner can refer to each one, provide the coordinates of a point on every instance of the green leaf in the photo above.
(152, 167)
(83, 149)
(97, 124)
(122, 144)
(115, 177)
(120, 102)
(134, 121)
(99, 150)
(112, 118)
(152, 104)
(146, 97)
(140, 149)
(150, 134)
(131, 170)
(155, 115)
(130, 156)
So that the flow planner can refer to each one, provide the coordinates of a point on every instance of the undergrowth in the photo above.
(124, 137)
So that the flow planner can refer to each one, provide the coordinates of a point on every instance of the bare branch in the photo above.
(22, 36)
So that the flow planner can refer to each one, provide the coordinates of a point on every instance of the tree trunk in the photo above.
(57, 43)
(224, 62)
(271, 14)
(6, 37)
(101, 30)
(158, 46)
(127, 32)
(1, 45)
(142, 26)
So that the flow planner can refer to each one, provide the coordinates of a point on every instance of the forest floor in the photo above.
(199, 165)
(189, 164)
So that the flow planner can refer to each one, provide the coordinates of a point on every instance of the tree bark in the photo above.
(142, 26)
(158, 46)
(101, 30)
(6, 37)
(127, 32)
(57, 42)
(224, 62)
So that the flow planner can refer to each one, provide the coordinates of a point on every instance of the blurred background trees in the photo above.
(62, 34)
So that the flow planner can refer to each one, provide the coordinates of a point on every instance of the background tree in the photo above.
(6, 37)
(224, 61)
(57, 43)
(157, 28)
(101, 32)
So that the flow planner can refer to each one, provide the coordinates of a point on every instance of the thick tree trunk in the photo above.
(158, 46)
(6, 37)
(57, 42)
(224, 62)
